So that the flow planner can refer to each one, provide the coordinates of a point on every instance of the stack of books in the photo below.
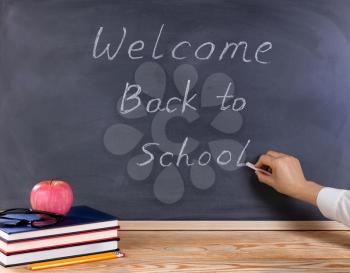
(84, 231)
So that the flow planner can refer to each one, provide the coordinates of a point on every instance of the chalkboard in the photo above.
(148, 108)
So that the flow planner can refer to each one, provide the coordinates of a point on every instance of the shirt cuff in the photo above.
(327, 201)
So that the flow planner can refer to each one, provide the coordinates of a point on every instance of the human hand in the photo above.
(287, 176)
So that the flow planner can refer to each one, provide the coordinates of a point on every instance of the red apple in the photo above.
(54, 196)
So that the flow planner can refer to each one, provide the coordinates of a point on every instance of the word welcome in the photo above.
(184, 49)
(172, 104)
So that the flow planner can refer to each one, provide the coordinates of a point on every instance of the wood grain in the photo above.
(224, 251)
(232, 225)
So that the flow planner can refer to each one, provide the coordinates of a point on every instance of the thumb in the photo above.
(266, 179)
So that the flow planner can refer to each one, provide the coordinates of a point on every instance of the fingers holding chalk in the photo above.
(264, 178)
(264, 160)
(263, 175)
(252, 166)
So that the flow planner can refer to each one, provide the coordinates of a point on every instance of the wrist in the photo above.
(308, 192)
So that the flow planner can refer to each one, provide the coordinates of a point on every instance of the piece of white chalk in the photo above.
(252, 166)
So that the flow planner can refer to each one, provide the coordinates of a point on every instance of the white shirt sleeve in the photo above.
(335, 204)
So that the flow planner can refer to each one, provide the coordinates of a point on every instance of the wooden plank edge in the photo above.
(231, 225)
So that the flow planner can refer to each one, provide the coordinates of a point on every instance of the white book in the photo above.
(36, 244)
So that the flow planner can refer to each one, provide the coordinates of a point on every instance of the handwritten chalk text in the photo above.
(168, 158)
(132, 96)
(181, 50)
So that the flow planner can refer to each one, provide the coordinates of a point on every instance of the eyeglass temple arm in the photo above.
(10, 218)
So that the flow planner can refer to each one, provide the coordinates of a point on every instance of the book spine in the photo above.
(117, 228)
(60, 246)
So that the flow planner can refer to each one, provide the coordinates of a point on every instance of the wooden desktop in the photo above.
(224, 246)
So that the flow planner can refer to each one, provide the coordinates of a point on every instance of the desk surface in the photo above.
(223, 251)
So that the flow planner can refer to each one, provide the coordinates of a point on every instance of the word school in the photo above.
(184, 49)
(168, 158)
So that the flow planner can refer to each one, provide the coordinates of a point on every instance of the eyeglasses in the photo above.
(24, 217)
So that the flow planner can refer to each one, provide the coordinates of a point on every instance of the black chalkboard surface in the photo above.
(148, 108)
